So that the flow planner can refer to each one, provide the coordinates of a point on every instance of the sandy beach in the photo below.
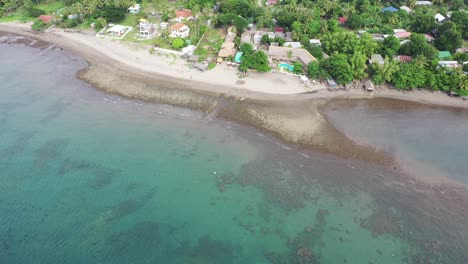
(135, 60)
(272, 102)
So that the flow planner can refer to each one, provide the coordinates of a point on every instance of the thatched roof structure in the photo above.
(228, 47)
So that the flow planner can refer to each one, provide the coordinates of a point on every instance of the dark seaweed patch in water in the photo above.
(102, 176)
(128, 207)
(54, 110)
(305, 247)
(3, 126)
(18, 147)
(383, 221)
(208, 250)
(137, 245)
(279, 186)
(432, 218)
(50, 150)
(70, 166)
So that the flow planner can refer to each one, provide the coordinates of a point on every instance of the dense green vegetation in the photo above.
(251, 59)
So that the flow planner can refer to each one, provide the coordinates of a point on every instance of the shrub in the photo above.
(69, 23)
(34, 12)
(112, 14)
(37, 25)
(211, 65)
(178, 43)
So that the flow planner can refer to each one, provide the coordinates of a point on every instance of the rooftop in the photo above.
(444, 54)
(184, 13)
(177, 26)
(45, 18)
(389, 9)
(281, 53)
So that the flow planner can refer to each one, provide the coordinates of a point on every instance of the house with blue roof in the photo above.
(389, 9)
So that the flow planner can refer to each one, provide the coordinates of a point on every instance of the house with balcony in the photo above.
(179, 30)
(146, 29)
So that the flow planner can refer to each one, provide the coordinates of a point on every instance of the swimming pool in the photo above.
(286, 66)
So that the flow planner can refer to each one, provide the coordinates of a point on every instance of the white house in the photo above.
(295, 45)
(134, 9)
(179, 30)
(146, 28)
(423, 3)
(448, 64)
(439, 17)
(407, 9)
(271, 35)
(315, 42)
(117, 30)
(163, 25)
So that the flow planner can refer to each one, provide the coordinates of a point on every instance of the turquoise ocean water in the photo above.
(88, 177)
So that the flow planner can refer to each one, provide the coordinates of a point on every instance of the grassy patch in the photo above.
(20, 15)
(130, 20)
(211, 65)
(16, 17)
(210, 44)
(50, 7)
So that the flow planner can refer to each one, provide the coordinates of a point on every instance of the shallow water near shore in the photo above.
(88, 177)
(429, 139)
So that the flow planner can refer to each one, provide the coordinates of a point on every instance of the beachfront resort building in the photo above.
(179, 30)
(146, 29)
(134, 9)
(290, 55)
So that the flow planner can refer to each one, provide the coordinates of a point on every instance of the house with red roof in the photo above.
(183, 14)
(403, 58)
(179, 30)
(271, 2)
(342, 20)
(45, 18)
(401, 33)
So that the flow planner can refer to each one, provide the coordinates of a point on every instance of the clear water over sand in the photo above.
(92, 178)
